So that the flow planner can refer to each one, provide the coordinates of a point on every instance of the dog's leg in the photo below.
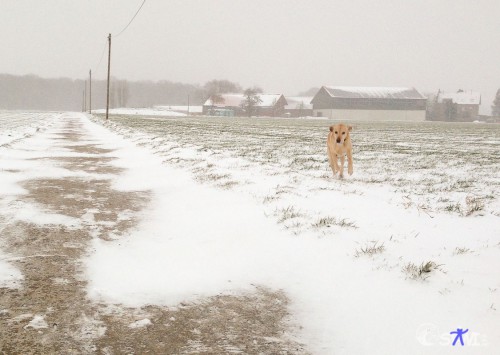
(332, 160)
(342, 159)
(336, 167)
(349, 162)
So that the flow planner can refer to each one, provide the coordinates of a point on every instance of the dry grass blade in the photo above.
(421, 272)
(370, 250)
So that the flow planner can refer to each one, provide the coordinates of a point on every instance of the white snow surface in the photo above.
(38, 322)
(155, 111)
(10, 276)
(16, 125)
(181, 108)
(196, 240)
(140, 323)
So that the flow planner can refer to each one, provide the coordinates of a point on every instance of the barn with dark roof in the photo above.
(369, 103)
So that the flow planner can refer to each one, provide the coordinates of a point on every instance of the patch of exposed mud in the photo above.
(93, 201)
(59, 306)
(255, 323)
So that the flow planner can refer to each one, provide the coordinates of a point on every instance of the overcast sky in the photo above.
(281, 45)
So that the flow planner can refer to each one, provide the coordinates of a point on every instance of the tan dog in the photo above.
(339, 145)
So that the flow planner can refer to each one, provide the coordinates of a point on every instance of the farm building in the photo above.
(369, 103)
(461, 106)
(298, 106)
(272, 105)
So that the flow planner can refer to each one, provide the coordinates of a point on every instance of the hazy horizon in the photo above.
(282, 46)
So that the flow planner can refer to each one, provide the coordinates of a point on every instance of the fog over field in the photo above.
(203, 212)
(282, 46)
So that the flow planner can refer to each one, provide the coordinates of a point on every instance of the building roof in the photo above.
(295, 102)
(461, 98)
(235, 100)
(374, 92)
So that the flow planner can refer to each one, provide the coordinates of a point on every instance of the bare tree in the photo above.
(430, 105)
(216, 99)
(121, 93)
(217, 87)
(495, 108)
(252, 100)
(450, 110)
(301, 106)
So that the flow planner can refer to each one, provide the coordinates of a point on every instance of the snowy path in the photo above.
(60, 202)
(62, 176)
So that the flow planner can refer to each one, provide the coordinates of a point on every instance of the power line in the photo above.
(131, 19)
(102, 56)
(106, 42)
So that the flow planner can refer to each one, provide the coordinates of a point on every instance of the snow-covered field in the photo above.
(145, 112)
(387, 261)
(431, 166)
(17, 124)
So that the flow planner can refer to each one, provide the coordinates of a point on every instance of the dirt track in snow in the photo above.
(50, 313)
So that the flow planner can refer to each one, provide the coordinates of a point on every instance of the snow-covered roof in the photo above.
(295, 102)
(374, 92)
(461, 98)
(235, 100)
(269, 99)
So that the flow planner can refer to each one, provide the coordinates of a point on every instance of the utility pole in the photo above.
(85, 97)
(83, 101)
(188, 105)
(90, 93)
(109, 68)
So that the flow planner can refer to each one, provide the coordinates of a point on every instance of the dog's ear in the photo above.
(349, 128)
(331, 128)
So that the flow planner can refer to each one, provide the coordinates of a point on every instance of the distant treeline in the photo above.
(31, 92)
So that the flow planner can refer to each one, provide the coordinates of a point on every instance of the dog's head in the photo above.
(340, 132)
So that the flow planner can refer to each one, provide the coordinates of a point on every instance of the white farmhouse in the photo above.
(369, 103)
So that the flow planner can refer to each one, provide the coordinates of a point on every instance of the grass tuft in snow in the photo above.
(228, 185)
(287, 213)
(270, 198)
(473, 204)
(346, 224)
(463, 250)
(453, 207)
(212, 177)
(370, 250)
(421, 272)
(326, 222)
